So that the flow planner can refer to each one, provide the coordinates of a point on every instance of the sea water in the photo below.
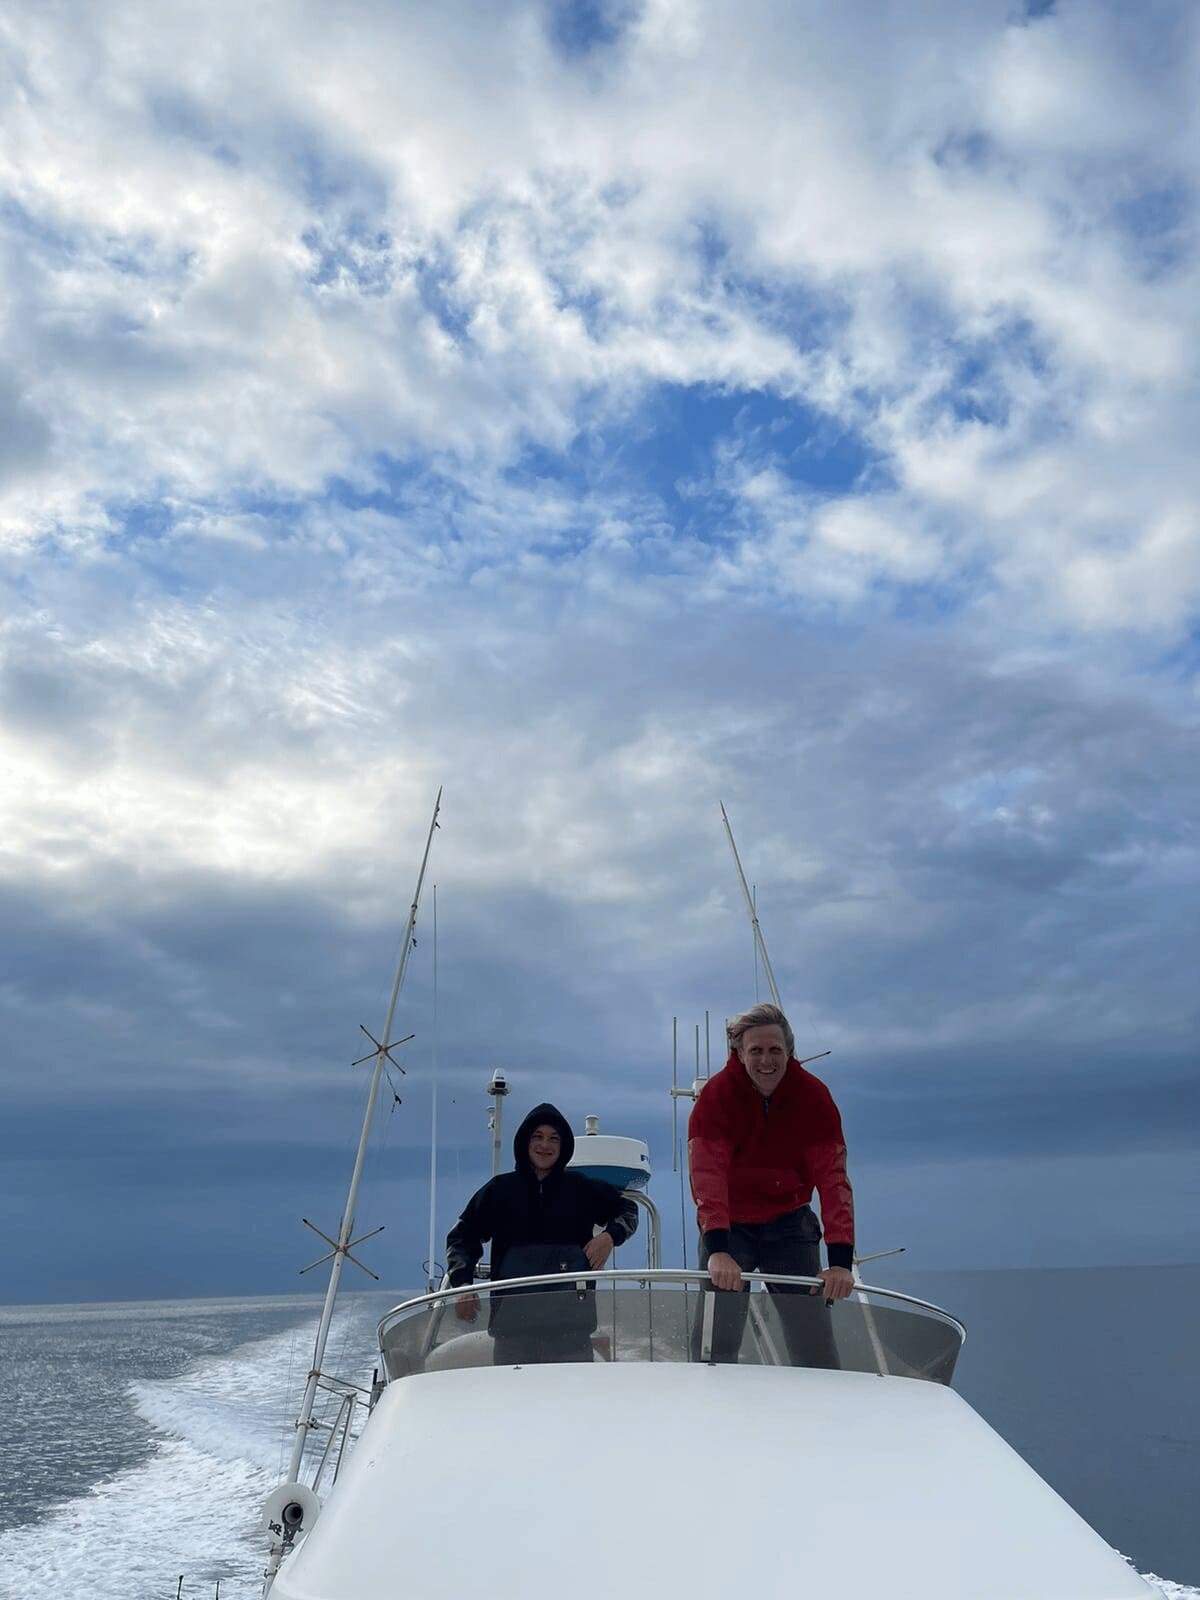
(138, 1442)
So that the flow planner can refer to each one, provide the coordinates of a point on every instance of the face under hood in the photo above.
(554, 1117)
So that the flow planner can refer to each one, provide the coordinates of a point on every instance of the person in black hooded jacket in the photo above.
(540, 1203)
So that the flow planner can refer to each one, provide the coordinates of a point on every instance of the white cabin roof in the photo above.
(640, 1481)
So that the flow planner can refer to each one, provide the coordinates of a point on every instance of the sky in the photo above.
(600, 411)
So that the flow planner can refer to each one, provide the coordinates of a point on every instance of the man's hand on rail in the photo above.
(466, 1307)
(838, 1282)
(724, 1271)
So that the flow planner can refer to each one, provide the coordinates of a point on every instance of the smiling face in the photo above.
(764, 1055)
(545, 1147)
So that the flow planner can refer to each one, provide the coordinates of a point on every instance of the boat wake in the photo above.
(220, 1435)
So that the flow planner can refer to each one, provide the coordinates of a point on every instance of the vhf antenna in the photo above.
(759, 942)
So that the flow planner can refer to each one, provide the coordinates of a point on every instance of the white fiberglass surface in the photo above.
(641, 1480)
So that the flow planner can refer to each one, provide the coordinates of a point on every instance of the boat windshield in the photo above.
(668, 1316)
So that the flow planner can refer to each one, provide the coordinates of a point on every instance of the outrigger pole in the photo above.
(341, 1249)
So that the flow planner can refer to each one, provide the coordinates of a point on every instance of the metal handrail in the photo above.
(644, 1275)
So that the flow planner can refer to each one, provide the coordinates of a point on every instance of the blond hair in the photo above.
(764, 1016)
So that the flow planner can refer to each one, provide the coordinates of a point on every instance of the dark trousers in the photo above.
(528, 1350)
(788, 1245)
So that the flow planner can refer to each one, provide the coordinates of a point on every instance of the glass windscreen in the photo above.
(661, 1317)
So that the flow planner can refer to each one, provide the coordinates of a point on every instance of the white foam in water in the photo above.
(194, 1507)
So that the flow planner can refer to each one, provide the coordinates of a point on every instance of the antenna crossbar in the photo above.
(382, 1049)
(338, 1249)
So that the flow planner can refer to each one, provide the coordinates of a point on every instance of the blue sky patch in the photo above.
(147, 519)
(179, 116)
(579, 27)
(58, 242)
(1156, 222)
(397, 476)
(680, 429)
(355, 252)
(435, 285)
(971, 148)
(671, 448)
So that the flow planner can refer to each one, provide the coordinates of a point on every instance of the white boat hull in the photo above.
(632, 1481)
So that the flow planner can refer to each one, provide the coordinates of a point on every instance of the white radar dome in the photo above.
(625, 1163)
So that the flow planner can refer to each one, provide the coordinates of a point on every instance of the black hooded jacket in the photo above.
(516, 1208)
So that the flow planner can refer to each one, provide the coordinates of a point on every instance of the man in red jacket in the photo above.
(762, 1135)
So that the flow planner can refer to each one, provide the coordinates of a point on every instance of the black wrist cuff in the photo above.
(840, 1255)
(716, 1241)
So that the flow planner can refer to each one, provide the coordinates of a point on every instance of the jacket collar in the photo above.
(738, 1079)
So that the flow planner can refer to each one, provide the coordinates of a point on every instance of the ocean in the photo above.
(139, 1441)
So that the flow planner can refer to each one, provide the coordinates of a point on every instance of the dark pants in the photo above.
(788, 1245)
(528, 1350)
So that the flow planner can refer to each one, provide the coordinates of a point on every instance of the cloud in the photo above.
(604, 414)
(272, 282)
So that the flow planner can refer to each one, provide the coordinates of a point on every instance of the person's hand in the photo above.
(838, 1284)
(598, 1250)
(466, 1307)
(724, 1271)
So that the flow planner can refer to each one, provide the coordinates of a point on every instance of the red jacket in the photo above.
(754, 1159)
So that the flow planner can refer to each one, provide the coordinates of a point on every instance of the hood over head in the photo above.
(554, 1117)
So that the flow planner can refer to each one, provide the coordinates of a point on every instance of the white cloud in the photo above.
(560, 222)
(284, 302)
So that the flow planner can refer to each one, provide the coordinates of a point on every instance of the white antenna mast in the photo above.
(759, 943)
(340, 1252)
(754, 902)
(674, 1094)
